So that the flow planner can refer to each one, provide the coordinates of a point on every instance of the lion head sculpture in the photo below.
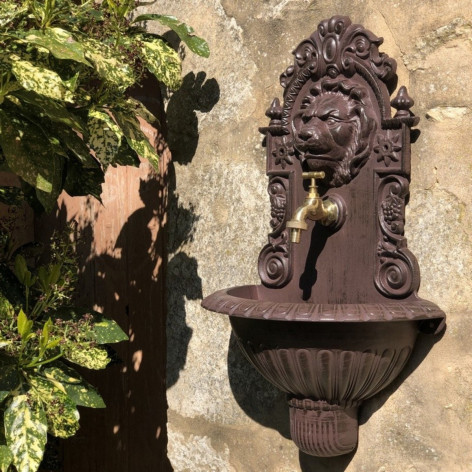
(334, 129)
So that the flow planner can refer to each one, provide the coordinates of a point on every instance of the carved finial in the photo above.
(275, 128)
(402, 102)
(274, 112)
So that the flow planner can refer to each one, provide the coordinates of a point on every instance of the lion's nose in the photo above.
(307, 134)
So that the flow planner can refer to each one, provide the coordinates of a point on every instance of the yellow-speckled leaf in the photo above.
(9, 10)
(61, 413)
(41, 80)
(6, 308)
(86, 355)
(162, 61)
(6, 458)
(25, 432)
(136, 139)
(109, 66)
(105, 137)
(56, 111)
(59, 42)
(28, 152)
(77, 389)
(108, 142)
(185, 32)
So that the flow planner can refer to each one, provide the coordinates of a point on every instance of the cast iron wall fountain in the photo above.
(337, 314)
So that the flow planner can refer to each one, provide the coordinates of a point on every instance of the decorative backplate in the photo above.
(336, 118)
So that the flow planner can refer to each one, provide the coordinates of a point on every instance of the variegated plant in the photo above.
(41, 337)
(65, 70)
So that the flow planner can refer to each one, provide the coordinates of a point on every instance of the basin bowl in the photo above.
(327, 369)
(328, 358)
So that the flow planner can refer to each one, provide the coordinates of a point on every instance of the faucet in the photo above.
(313, 208)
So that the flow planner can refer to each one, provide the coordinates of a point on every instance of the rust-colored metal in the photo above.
(336, 316)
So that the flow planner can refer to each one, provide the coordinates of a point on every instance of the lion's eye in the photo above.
(331, 121)
(306, 118)
(305, 104)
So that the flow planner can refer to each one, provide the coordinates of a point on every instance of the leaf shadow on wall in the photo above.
(183, 281)
(197, 93)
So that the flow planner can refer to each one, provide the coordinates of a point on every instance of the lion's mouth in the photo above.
(320, 157)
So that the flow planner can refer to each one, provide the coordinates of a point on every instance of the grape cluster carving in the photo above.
(392, 209)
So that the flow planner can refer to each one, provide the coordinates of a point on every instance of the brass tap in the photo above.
(313, 208)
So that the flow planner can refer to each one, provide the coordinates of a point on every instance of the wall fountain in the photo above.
(336, 316)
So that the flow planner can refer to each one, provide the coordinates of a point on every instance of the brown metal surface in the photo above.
(249, 302)
(336, 317)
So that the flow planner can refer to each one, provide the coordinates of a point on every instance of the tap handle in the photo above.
(313, 176)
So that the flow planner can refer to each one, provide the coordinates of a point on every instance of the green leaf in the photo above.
(61, 412)
(40, 80)
(53, 109)
(136, 139)
(24, 324)
(185, 32)
(76, 388)
(25, 432)
(6, 458)
(28, 153)
(54, 274)
(161, 60)
(59, 42)
(108, 331)
(103, 330)
(86, 354)
(21, 269)
(44, 338)
(42, 277)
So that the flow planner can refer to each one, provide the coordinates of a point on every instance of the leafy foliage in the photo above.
(42, 335)
(66, 115)
(65, 70)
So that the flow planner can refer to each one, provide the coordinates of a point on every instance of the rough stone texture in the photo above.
(222, 415)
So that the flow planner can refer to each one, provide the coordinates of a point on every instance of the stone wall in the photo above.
(222, 415)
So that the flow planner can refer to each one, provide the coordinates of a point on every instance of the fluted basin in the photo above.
(327, 358)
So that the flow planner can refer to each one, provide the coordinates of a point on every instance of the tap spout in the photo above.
(313, 208)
